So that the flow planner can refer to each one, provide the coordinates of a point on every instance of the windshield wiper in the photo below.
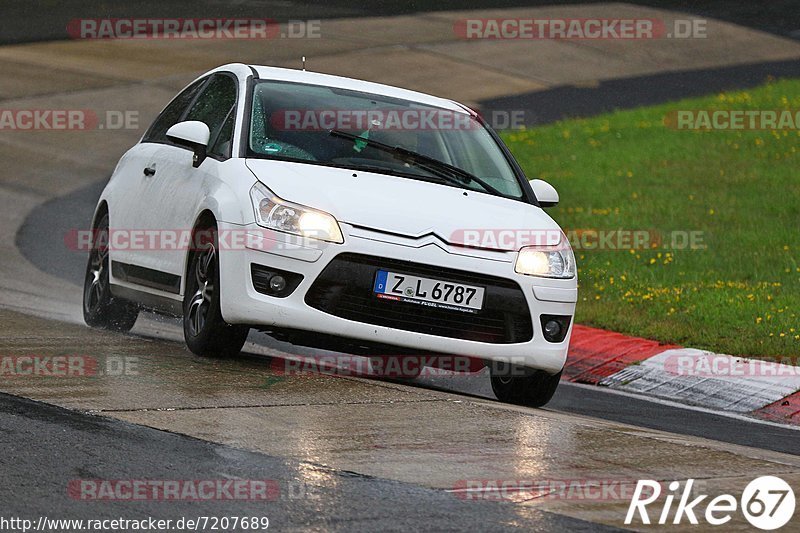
(451, 174)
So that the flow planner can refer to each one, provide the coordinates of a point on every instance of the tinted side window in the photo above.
(213, 106)
(172, 113)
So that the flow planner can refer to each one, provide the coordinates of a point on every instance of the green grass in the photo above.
(627, 170)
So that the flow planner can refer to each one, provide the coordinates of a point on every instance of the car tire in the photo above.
(534, 388)
(100, 308)
(204, 330)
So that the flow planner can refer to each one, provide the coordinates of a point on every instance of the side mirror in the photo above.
(191, 134)
(545, 193)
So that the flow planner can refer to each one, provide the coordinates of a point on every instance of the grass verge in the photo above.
(738, 190)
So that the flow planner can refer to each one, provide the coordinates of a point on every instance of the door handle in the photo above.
(149, 171)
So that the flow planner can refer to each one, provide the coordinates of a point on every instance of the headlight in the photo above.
(547, 262)
(274, 213)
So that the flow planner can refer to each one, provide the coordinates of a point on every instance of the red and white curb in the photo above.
(768, 390)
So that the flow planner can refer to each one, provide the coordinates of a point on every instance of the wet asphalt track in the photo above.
(70, 446)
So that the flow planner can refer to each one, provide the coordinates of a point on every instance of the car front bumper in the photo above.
(241, 303)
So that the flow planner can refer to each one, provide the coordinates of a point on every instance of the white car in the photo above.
(335, 213)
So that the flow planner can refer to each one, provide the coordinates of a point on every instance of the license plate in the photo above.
(428, 292)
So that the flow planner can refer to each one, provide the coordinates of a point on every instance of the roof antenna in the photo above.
(304, 63)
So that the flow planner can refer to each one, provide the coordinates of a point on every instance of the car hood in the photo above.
(409, 207)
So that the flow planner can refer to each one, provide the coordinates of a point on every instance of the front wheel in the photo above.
(521, 386)
(204, 330)
(100, 308)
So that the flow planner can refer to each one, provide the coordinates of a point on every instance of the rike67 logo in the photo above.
(767, 502)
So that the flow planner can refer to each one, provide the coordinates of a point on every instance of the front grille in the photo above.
(344, 289)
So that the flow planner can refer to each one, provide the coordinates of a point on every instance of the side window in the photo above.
(215, 107)
(172, 114)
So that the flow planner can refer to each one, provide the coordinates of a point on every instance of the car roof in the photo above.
(340, 82)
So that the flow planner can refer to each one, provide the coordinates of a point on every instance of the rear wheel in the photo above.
(206, 333)
(100, 308)
(520, 386)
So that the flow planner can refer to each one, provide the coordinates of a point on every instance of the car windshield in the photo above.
(364, 131)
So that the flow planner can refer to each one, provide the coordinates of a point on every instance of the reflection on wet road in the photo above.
(382, 429)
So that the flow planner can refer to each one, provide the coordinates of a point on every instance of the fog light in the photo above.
(277, 283)
(273, 282)
(555, 327)
(552, 329)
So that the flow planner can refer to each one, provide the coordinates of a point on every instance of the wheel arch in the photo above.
(100, 210)
(206, 218)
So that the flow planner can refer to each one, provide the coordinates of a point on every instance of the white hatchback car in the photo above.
(340, 214)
